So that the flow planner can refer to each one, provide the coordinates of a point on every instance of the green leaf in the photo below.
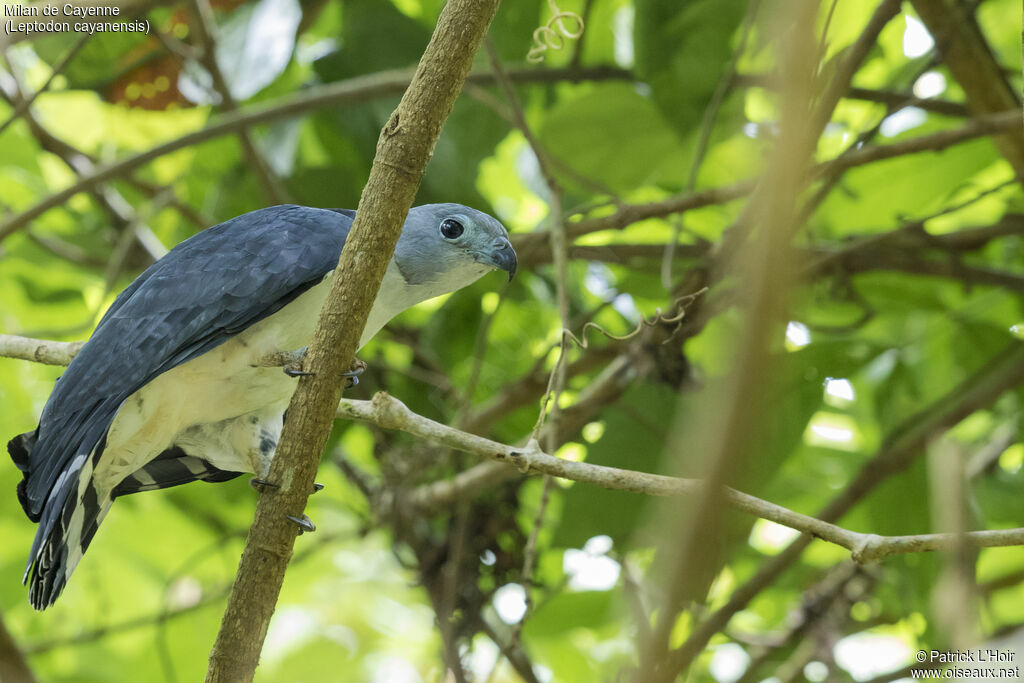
(633, 438)
(642, 150)
(685, 42)
(568, 610)
(253, 48)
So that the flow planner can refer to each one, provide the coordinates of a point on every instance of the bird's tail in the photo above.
(62, 545)
(68, 521)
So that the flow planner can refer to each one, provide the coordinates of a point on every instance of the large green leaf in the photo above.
(613, 135)
(685, 42)
(254, 45)
(633, 438)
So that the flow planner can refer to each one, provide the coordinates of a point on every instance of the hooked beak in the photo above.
(504, 257)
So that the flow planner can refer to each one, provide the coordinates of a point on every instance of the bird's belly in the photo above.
(206, 391)
(222, 384)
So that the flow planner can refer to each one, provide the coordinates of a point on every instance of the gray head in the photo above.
(448, 246)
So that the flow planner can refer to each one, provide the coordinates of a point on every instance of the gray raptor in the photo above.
(167, 390)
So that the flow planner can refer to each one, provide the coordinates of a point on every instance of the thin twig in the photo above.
(627, 214)
(556, 384)
(890, 98)
(707, 125)
(849, 64)
(22, 106)
(389, 413)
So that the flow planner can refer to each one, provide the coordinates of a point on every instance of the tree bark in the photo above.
(403, 149)
(970, 60)
(13, 666)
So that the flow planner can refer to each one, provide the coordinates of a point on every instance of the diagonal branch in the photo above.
(58, 69)
(627, 214)
(366, 88)
(403, 150)
(390, 413)
(343, 93)
(83, 164)
(120, 211)
(205, 28)
(965, 52)
(906, 442)
(848, 65)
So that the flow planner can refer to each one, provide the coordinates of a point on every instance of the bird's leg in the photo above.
(293, 368)
(304, 523)
(289, 361)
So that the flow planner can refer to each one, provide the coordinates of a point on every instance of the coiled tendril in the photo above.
(552, 35)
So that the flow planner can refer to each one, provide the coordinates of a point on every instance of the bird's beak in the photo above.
(504, 257)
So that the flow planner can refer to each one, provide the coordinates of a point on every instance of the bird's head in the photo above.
(451, 245)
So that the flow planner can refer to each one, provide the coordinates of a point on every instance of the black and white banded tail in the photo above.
(63, 538)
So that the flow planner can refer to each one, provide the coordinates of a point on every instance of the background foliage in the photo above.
(909, 284)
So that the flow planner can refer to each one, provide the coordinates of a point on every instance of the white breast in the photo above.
(224, 383)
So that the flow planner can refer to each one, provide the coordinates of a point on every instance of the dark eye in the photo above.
(451, 228)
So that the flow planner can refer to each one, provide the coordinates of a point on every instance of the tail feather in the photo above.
(76, 507)
(65, 542)
(173, 467)
(20, 448)
(68, 521)
(70, 513)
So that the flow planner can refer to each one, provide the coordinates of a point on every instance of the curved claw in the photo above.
(353, 373)
(295, 372)
(260, 484)
(304, 523)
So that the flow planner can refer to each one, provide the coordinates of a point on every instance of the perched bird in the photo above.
(168, 391)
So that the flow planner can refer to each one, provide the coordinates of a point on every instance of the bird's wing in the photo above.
(204, 291)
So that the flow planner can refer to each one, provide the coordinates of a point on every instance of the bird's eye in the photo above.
(451, 228)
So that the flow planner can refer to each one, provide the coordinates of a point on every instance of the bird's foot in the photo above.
(304, 523)
(352, 375)
(358, 368)
(261, 484)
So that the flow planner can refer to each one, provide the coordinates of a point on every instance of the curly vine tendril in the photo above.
(552, 35)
